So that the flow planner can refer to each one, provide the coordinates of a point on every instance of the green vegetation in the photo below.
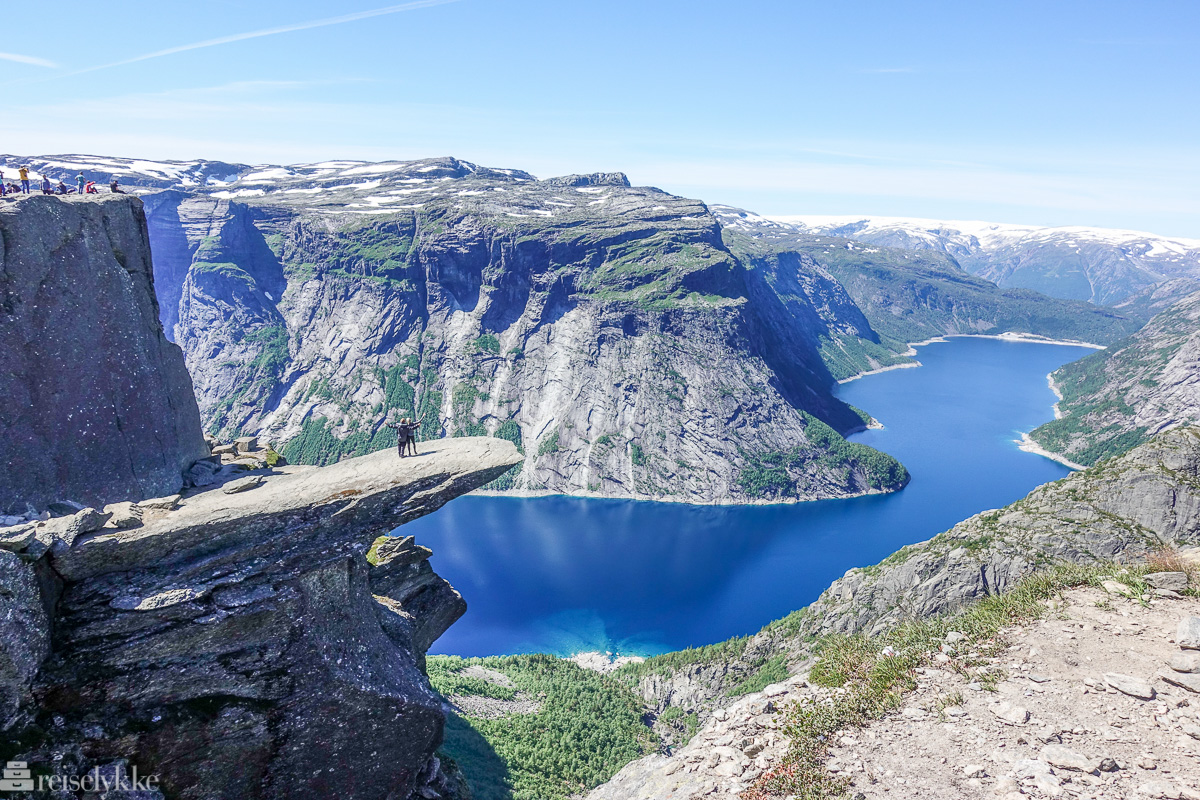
(769, 475)
(549, 444)
(488, 343)
(1103, 393)
(773, 670)
(637, 455)
(446, 676)
(669, 663)
(462, 403)
(317, 444)
(847, 356)
(510, 431)
(876, 683)
(585, 728)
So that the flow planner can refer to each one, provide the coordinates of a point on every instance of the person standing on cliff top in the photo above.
(3, 191)
(82, 181)
(24, 173)
(401, 429)
(412, 426)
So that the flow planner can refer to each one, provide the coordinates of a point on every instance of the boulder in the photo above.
(1063, 757)
(1010, 713)
(124, 515)
(242, 484)
(246, 444)
(1172, 581)
(161, 503)
(1127, 684)
(1184, 680)
(1186, 662)
(1187, 635)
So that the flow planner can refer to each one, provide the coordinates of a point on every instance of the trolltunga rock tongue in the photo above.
(244, 646)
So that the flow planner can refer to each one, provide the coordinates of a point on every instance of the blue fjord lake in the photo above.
(565, 575)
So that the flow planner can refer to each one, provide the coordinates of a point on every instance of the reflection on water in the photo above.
(565, 575)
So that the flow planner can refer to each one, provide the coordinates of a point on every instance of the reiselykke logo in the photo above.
(19, 778)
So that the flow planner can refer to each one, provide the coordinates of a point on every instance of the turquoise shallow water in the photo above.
(564, 575)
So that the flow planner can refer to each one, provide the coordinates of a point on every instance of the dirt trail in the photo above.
(1054, 726)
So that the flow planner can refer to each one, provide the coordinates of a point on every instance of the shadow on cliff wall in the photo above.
(485, 771)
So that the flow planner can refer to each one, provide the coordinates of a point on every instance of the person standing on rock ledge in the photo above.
(406, 434)
(412, 426)
(24, 173)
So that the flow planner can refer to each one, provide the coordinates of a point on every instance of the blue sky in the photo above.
(1046, 113)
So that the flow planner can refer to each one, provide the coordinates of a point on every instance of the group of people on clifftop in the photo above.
(406, 434)
(84, 186)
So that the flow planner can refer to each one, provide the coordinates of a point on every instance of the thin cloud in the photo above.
(34, 60)
(300, 26)
(886, 70)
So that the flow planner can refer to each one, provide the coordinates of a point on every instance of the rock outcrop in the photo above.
(1117, 398)
(1119, 510)
(98, 405)
(246, 644)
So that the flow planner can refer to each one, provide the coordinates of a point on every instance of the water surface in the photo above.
(564, 575)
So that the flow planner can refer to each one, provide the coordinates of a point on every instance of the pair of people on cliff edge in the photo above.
(406, 434)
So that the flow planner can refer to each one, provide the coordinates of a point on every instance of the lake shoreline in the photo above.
(1004, 337)
(1028, 445)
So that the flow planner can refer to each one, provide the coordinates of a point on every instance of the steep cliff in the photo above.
(244, 644)
(605, 329)
(1119, 397)
(98, 405)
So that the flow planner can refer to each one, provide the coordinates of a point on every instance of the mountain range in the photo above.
(1100, 265)
(630, 342)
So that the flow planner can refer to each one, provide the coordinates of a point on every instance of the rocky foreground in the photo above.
(241, 641)
(1099, 701)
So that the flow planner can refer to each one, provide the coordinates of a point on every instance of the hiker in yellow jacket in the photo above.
(24, 173)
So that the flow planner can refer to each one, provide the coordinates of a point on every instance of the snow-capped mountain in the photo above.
(1101, 265)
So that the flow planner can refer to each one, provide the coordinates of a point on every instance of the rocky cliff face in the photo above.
(1119, 397)
(98, 405)
(245, 644)
(604, 329)
(1119, 510)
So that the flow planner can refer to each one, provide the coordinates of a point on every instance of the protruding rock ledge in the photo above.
(336, 509)
(242, 645)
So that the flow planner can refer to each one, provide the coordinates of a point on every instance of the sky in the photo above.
(1063, 113)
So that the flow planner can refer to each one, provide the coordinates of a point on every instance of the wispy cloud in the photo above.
(34, 60)
(299, 26)
(886, 70)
